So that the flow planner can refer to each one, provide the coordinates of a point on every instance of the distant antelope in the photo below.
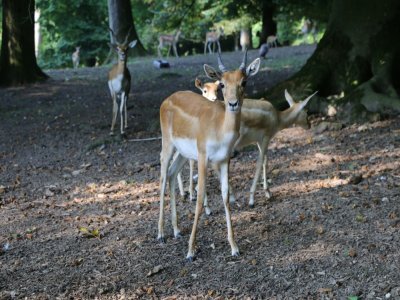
(76, 57)
(272, 41)
(205, 131)
(244, 39)
(212, 37)
(119, 81)
(168, 40)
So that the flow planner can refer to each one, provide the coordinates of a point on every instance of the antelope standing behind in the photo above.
(168, 40)
(244, 39)
(119, 81)
(204, 131)
(76, 57)
(212, 37)
(272, 41)
(260, 121)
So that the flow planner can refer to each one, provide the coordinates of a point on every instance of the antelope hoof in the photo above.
(178, 235)
(208, 211)
(251, 205)
(235, 253)
(268, 194)
(191, 258)
(112, 133)
(161, 239)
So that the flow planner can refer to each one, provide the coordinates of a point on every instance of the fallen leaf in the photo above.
(90, 233)
(352, 252)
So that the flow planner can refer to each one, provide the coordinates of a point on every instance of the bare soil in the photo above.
(79, 209)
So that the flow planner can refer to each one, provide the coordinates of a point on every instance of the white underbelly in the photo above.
(216, 150)
(116, 84)
(186, 147)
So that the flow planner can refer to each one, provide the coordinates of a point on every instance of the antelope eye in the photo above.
(244, 83)
(221, 85)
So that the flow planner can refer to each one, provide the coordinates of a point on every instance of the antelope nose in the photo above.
(233, 105)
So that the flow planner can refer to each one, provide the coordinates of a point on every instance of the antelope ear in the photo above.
(253, 68)
(289, 98)
(132, 44)
(212, 73)
(198, 84)
(305, 101)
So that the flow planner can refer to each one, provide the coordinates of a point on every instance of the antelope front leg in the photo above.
(202, 169)
(268, 193)
(114, 112)
(166, 155)
(260, 160)
(225, 196)
(121, 111)
(126, 112)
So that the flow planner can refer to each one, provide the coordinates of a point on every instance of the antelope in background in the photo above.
(119, 80)
(204, 131)
(168, 40)
(260, 121)
(76, 57)
(272, 41)
(212, 37)
(244, 39)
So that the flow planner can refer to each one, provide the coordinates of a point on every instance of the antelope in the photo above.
(119, 81)
(212, 37)
(271, 41)
(168, 40)
(260, 121)
(244, 39)
(76, 57)
(204, 131)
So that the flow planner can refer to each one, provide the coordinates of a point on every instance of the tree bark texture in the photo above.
(357, 62)
(17, 59)
(268, 23)
(121, 20)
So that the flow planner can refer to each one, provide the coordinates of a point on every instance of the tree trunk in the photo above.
(357, 62)
(268, 23)
(121, 20)
(17, 59)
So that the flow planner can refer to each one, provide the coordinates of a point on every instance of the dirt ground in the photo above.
(79, 209)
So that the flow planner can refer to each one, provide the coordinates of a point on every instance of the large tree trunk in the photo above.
(121, 20)
(268, 23)
(17, 59)
(357, 62)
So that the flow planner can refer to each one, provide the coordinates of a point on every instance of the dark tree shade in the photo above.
(268, 23)
(121, 20)
(358, 59)
(17, 59)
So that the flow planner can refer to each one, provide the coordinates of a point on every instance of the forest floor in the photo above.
(79, 209)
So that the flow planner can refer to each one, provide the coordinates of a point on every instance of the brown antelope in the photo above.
(212, 37)
(244, 39)
(272, 41)
(204, 131)
(168, 40)
(119, 81)
(260, 121)
(76, 57)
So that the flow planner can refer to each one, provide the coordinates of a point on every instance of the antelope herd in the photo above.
(198, 127)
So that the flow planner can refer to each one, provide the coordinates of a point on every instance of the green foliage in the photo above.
(84, 23)
(65, 25)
